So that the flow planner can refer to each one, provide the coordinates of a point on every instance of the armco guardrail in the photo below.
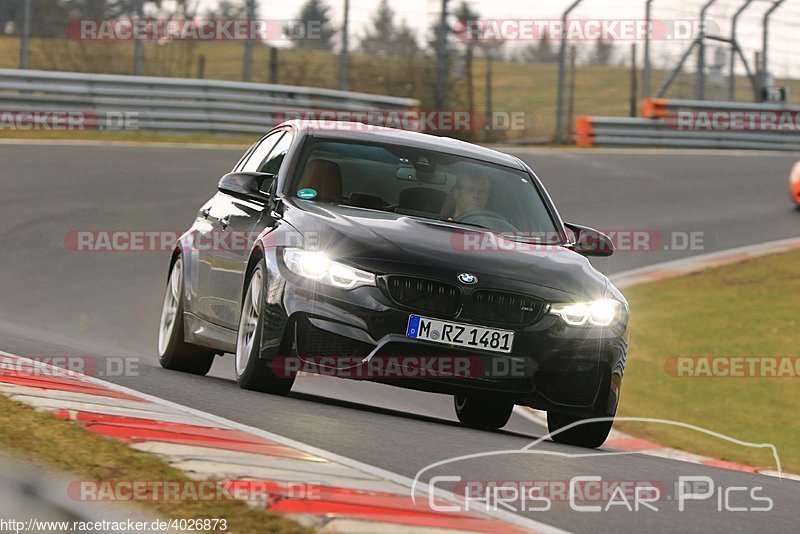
(657, 108)
(696, 124)
(178, 104)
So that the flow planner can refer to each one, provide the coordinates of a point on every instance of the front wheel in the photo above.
(251, 371)
(482, 411)
(590, 435)
(173, 352)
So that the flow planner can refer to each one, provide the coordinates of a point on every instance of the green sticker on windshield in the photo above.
(307, 194)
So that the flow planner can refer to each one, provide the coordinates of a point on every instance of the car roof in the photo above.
(358, 131)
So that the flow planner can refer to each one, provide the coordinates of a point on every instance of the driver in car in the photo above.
(471, 193)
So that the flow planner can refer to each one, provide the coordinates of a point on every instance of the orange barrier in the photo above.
(654, 108)
(668, 123)
(584, 131)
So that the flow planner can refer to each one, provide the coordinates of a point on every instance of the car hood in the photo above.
(390, 243)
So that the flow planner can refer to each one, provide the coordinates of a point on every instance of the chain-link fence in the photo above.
(493, 68)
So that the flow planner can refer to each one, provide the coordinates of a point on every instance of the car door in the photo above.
(211, 241)
(241, 223)
(202, 233)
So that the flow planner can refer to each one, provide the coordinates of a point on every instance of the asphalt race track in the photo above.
(54, 301)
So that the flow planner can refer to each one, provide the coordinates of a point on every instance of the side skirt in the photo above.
(201, 332)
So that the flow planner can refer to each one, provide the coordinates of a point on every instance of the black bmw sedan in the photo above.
(418, 261)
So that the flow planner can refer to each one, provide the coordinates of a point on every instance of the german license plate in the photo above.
(464, 335)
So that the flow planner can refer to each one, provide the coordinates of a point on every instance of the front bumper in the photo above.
(361, 334)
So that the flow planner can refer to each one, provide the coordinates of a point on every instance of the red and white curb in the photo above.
(350, 496)
(347, 496)
(663, 271)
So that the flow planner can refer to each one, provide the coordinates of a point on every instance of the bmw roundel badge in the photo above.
(467, 278)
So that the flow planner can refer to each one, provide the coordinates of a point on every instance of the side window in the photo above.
(238, 166)
(273, 162)
(261, 152)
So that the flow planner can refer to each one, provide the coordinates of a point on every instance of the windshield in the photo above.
(426, 184)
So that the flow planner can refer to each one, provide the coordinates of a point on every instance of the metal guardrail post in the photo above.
(25, 40)
(701, 59)
(571, 90)
(672, 75)
(273, 65)
(560, 136)
(634, 90)
(344, 58)
(138, 44)
(442, 60)
(249, 44)
(489, 98)
(734, 46)
(700, 88)
(764, 45)
(648, 18)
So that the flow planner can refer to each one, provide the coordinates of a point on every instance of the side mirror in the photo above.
(590, 242)
(249, 185)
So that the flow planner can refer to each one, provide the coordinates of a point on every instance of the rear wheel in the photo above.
(173, 352)
(251, 371)
(590, 435)
(482, 411)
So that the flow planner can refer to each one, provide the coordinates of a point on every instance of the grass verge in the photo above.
(747, 309)
(49, 442)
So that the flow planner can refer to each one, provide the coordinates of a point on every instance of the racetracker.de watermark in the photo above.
(194, 29)
(622, 239)
(55, 366)
(472, 241)
(434, 366)
(67, 120)
(157, 240)
(167, 240)
(263, 491)
(580, 29)
(426, 120)
(733, 366)
(735, 121)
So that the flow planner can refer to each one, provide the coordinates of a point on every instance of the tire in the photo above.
(173, 352)
(482, 411)
(589, 435)
(252, 372)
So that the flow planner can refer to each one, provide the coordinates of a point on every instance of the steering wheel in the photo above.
(489, 219)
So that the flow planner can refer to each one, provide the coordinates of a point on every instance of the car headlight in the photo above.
(316, 265)
(603, 312)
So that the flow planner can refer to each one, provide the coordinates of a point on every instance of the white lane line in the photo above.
(502, 515)
(703, 261)
(698, 261)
